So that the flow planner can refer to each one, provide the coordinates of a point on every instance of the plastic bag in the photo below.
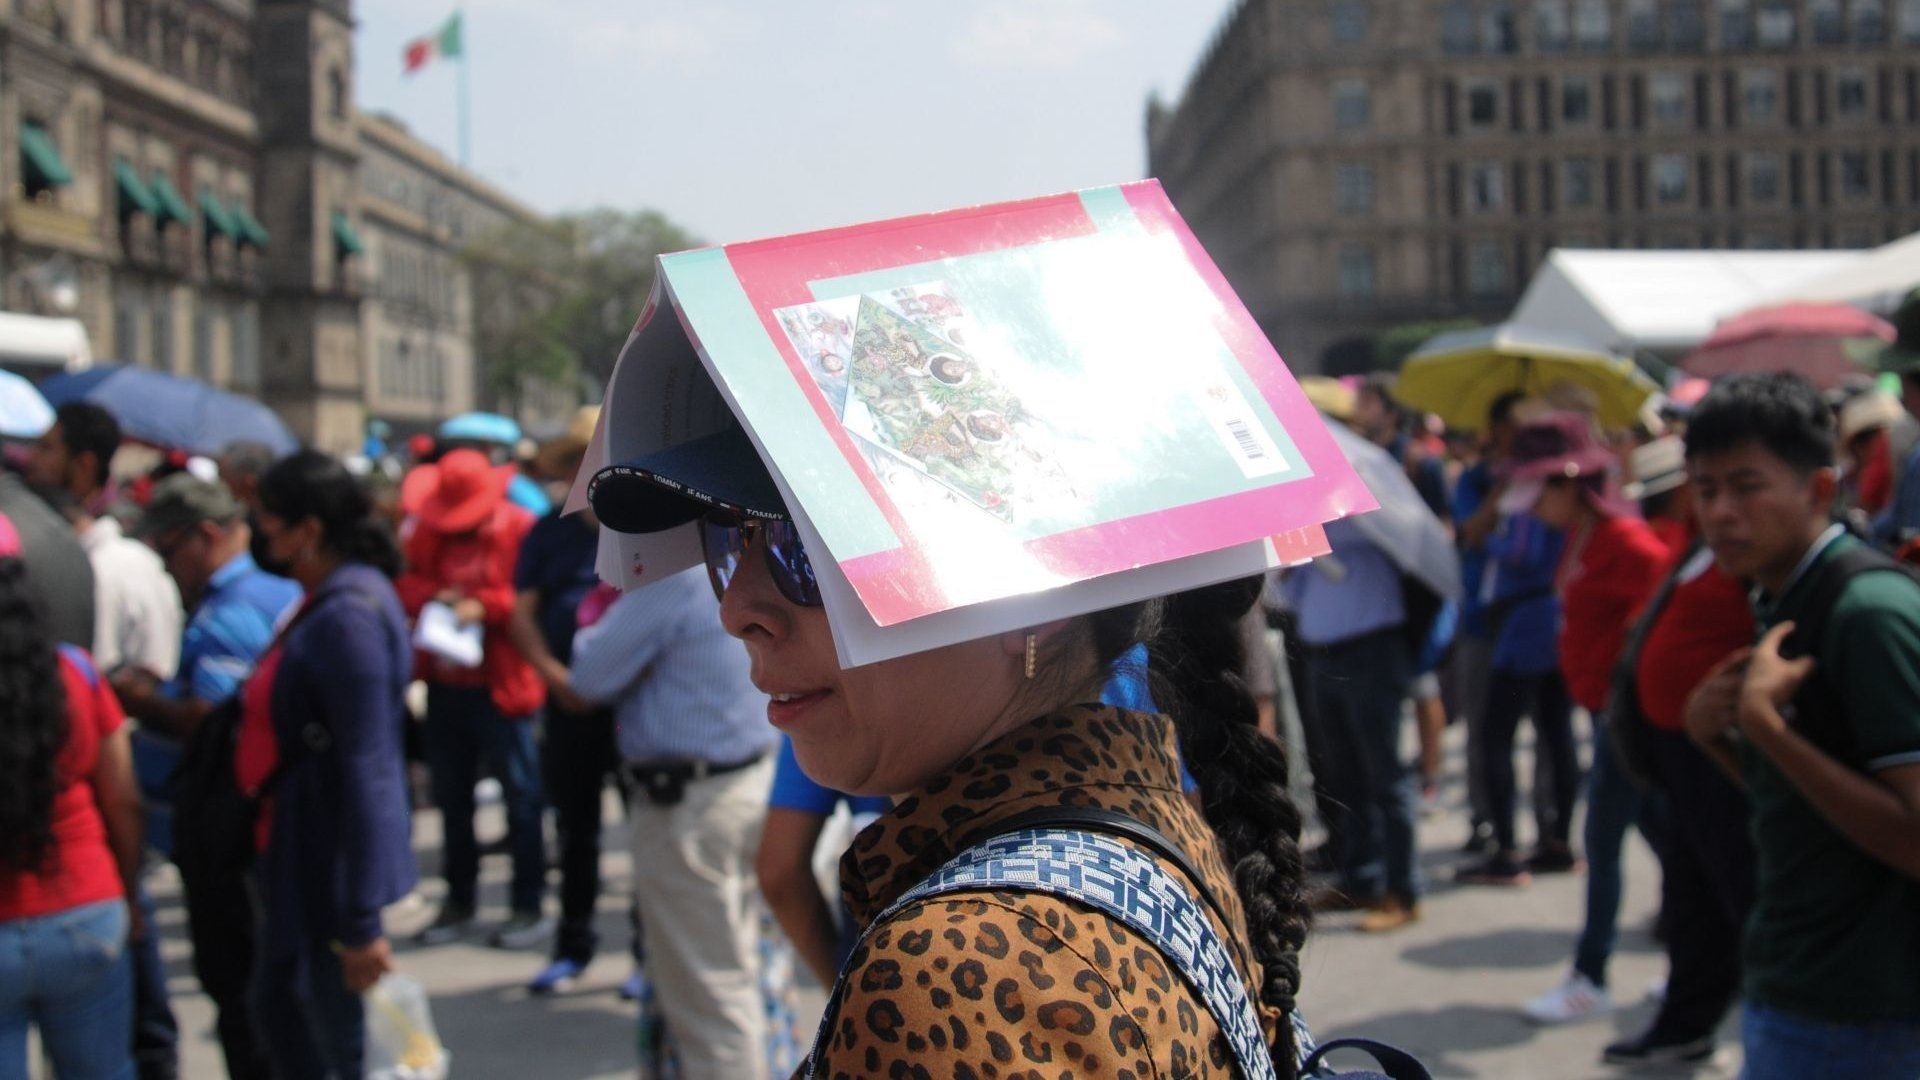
(401, 1041)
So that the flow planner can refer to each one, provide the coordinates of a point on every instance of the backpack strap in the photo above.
(82, 663)
(1121, 882)
(1816, 710)
(1395, 1063)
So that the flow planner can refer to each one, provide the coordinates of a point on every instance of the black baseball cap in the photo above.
(671, 487)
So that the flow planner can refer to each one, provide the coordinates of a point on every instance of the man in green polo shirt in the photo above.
(1824, 734)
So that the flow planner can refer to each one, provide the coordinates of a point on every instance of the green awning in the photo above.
(251, 231)
(135, 196)
(345, 240)
(172, 206)
(41, 158)
(218, 220)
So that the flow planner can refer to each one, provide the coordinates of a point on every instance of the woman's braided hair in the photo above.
(34, 731)
(1196, 657)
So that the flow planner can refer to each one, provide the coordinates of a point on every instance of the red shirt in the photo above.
(1706, 618)
(478, 564)
(1606, 579)
(1876, 474)
(256, 750)
(80, 867)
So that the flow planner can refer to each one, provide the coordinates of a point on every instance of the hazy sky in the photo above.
(748, 118)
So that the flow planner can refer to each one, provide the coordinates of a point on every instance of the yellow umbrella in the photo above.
(1458, 375)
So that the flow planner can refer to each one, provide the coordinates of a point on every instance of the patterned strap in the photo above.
(1109, 877)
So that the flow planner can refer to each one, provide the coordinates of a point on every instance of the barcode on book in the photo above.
(1249, 446)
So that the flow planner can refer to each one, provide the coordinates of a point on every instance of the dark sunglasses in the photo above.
(724, 542)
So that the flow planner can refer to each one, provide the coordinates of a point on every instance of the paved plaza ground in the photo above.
(1447, 988)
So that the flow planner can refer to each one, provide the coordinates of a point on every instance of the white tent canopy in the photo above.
(37, 341)
(1660, 301)
(1877, 279)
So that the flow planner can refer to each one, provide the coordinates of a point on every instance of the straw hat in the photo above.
(1867, 411)
(558, 456)
(1656, 467)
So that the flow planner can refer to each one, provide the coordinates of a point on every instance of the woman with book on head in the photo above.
(979, 739)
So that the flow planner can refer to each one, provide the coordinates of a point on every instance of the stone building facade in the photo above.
(420, 214)
(192, 180)
(1356, 164)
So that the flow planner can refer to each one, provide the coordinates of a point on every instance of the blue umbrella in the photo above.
(24, 413)
(481, 427)
(171, 411)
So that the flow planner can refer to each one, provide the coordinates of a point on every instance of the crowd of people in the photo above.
(1612, 582)
(266, 624)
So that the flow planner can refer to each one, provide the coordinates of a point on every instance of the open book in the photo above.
(983, 419)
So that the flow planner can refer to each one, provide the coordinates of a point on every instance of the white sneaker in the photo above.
(1576, 999)
(1657, 990)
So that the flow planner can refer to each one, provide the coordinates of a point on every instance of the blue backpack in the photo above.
(1070, 852)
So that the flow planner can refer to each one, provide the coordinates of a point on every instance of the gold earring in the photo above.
(1033, 643)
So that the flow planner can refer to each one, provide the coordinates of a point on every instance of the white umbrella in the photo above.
(1404, 529)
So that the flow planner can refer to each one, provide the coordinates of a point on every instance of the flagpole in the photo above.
(466, 123)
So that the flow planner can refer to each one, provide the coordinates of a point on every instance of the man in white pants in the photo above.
(697, 747)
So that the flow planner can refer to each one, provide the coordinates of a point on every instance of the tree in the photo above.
(554, 300)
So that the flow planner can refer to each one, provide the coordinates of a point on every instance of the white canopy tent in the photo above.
(1877, 280)
(34, 341)
(1658, 301)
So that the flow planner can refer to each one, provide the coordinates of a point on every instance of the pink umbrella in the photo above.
(1828, 343)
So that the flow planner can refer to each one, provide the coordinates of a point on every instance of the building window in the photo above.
(1499, 32)
(1550, 27)
(246, 347)
(1483, 104)
(1910, 21)
(1763, 177)
(1686, 27)
(1668, 92)
(1643, 25)
(1736, 24)
(1760, 96)
(1672, 176)
(337, 93)
(1828, 22)
(1592, 25)
(1576, 101)
(1774, 25)
(1870, 22)
(1356, 272)
(1486, 268)
(1352, 107)
(162, 351)
(1457, 36)
(1353, 188)
(203, 341)
(1349, 18)
(1854, 185)
(1486, 187)
(1850, 93)
(1577, 181)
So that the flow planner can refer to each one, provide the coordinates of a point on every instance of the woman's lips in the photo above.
(785, 710)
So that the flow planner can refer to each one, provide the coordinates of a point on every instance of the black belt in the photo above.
(665, 782)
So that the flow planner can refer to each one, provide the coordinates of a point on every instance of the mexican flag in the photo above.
(443, 43)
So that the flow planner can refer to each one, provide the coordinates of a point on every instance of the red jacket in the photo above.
(478, 564)
(1604, 583)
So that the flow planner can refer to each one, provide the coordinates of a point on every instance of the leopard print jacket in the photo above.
(1024, 985)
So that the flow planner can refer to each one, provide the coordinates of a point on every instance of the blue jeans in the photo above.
(1359, 688)
(1783, 1046)
(70, 975)
(467, 738)
(1614, 804)
(156, 1035)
